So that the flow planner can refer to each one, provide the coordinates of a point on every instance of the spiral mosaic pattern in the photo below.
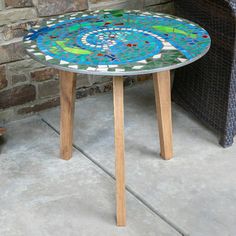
(116, 42)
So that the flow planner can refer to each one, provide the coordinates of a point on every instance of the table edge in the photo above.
(114, 74)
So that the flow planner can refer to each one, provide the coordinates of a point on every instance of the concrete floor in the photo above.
(192, 194)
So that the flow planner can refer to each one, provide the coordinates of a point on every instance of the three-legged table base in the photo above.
(163, 105)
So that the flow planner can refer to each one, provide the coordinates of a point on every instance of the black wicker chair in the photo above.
(207, 88)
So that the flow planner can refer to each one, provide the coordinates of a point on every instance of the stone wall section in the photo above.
(26, 86)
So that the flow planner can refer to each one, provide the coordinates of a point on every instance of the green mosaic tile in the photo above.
(116, 42)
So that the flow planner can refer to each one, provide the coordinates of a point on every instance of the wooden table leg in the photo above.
(67, 99)
(118, 97)
(162, 89)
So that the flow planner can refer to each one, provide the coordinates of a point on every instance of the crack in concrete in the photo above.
(128, 189)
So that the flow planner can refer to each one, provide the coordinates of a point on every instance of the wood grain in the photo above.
(67, 99)
(162, 89)
(118, 98)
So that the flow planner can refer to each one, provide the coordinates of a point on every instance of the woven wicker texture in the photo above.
(207, 88)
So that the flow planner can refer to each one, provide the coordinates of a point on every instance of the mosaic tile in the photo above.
(116, 42)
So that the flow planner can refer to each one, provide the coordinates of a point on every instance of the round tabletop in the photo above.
(116, 42)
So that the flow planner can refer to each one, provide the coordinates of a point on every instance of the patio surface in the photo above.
(40, 194)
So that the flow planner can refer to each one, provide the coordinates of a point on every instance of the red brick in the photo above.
(18, 79)
(39, 107)
(44, 74)
(12, 52)
(11, 31)
(54, 7)
(17, 96)
(144, 77)
(3, 79)
(18, 3)
(49, 88)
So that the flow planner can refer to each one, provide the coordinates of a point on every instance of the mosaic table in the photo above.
(117, 43)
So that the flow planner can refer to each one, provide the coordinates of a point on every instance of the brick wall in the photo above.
(27, 86)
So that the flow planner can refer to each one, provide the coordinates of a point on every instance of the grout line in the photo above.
(128, 189)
